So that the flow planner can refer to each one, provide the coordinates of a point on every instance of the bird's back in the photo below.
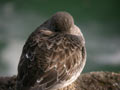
(50, 59)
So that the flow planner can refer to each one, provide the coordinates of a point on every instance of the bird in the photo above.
(53, 56)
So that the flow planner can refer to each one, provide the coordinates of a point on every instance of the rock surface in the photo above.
(87, 81)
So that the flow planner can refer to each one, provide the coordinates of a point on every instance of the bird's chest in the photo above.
(76, 73)
(65, 83)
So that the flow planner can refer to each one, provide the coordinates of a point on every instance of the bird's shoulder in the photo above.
(51, 39)
(48, 46)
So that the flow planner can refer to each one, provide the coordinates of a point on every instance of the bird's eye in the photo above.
(56, 29)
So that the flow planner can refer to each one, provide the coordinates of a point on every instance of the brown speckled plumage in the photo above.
(53, 56)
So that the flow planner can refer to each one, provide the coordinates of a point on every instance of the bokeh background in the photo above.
(99, 21)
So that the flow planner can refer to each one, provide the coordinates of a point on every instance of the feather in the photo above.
(51, 59)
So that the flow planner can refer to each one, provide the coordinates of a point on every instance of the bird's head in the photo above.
(61, 22)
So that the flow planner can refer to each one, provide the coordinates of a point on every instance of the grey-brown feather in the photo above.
(49, 58)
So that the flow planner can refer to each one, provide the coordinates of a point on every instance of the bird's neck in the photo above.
(75, 31)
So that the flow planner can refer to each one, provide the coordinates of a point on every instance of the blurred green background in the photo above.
(99, 21)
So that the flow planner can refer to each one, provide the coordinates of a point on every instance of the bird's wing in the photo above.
(50, 58)
(27, 67)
